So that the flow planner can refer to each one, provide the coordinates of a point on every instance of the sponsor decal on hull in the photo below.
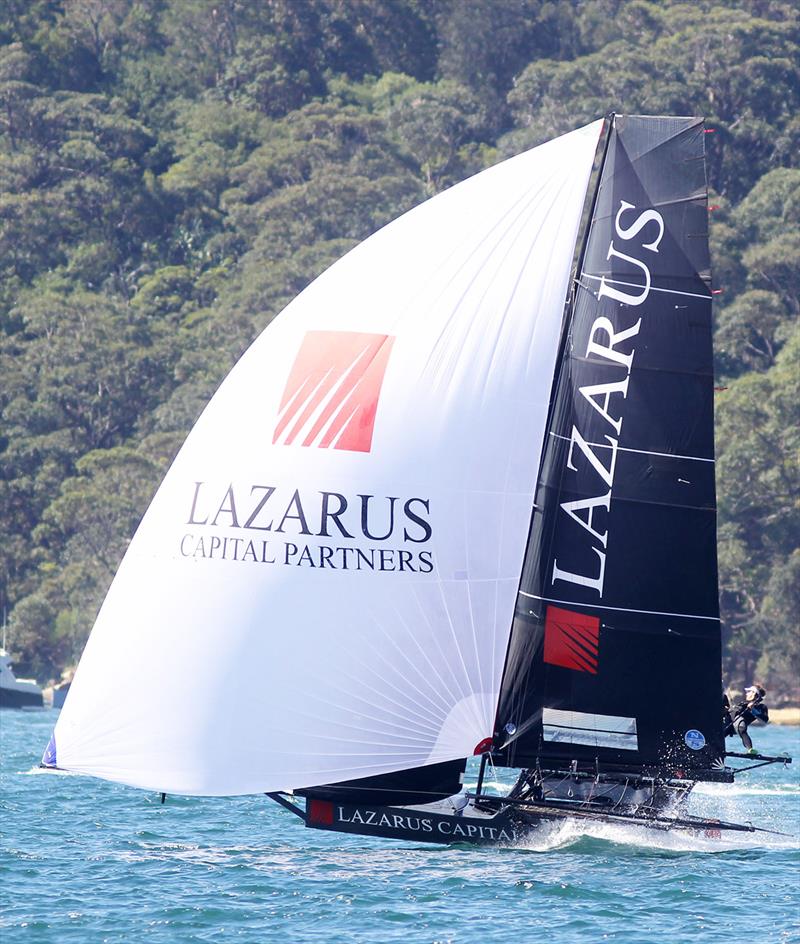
(406, 823)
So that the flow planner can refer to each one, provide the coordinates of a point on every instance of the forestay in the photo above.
(324, 584)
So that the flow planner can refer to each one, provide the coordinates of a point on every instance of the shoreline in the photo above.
(784, 715)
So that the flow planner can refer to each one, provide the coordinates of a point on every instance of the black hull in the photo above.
(12, 698)
(508, 825)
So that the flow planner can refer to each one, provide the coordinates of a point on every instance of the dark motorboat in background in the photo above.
(14, 692)
(436, 513)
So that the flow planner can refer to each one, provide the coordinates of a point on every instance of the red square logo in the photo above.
(571, 639)
(320, 812)
(331, 396)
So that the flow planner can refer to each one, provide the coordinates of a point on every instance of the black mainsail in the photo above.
(614, 659)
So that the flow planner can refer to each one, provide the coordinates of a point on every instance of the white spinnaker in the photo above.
(213, 670)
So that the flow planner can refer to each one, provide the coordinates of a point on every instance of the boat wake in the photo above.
(48, 771)
(571, 833)
(729, 790)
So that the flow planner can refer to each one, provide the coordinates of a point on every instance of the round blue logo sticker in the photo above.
(695, 739)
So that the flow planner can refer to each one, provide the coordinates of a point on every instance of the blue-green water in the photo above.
(83, 860)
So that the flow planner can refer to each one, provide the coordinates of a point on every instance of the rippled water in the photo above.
(83, 860)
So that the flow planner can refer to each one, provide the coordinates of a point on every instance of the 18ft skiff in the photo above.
(457, 499)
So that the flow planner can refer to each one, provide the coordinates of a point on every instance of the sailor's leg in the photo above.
(741, 730)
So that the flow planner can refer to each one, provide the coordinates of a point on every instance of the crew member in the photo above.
(745, 713)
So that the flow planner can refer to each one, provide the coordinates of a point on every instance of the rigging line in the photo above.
(643, 452)
(653, 288)
(617, 609)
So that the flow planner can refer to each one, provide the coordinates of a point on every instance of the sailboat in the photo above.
(457, 500)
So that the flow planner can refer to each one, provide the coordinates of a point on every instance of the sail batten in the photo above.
(622, 609)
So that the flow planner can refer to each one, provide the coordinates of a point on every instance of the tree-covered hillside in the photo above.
(173, 172)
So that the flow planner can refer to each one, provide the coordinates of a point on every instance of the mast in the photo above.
(614, 659)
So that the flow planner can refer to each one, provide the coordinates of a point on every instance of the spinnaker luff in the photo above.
(324, 584)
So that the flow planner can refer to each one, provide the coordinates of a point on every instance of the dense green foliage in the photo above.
(173, 172)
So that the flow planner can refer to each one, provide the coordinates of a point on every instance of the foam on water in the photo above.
(38, 771)
(573, 831)
(730, 790)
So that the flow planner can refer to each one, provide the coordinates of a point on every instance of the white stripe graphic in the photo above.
(580, 727)
(293, 408)
(296, 410)
(344, 405)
